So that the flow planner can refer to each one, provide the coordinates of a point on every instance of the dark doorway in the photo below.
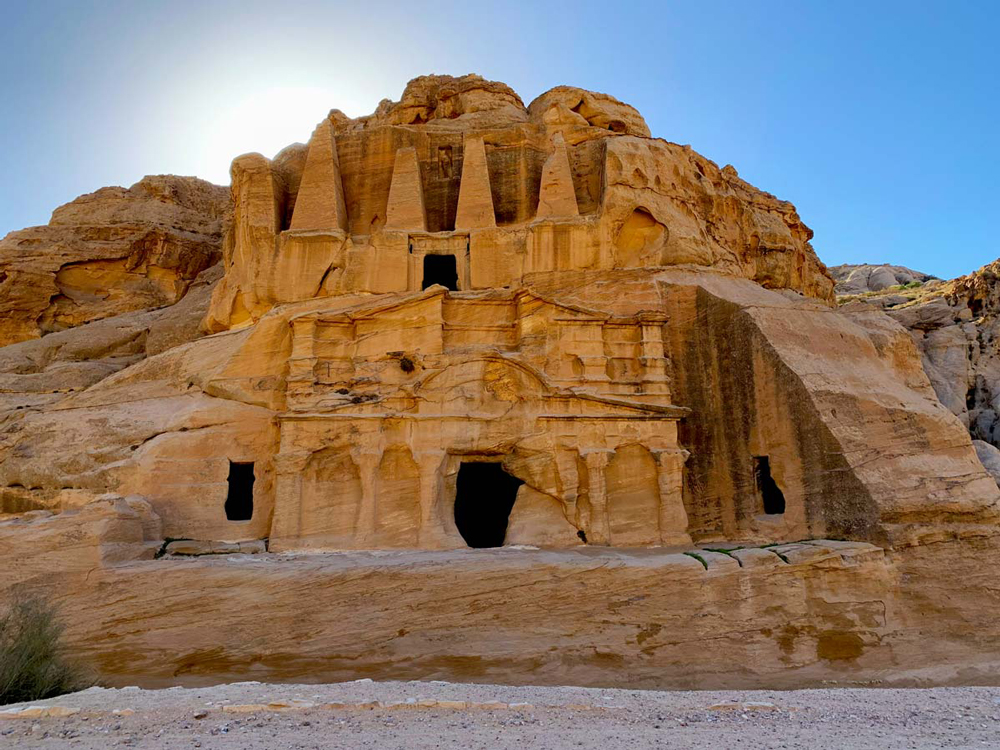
(483, 501)
(774, 500)
(441, 269)
(239, 501)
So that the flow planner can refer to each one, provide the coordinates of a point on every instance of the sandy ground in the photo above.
(413, 715)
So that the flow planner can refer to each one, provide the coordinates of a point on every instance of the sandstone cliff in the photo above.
(858, 279)
(956, 327)
(463, 322)
(117, 275)
(109, 252)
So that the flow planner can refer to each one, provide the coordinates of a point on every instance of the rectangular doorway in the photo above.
(441, 269)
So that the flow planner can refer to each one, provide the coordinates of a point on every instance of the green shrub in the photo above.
(33, 663)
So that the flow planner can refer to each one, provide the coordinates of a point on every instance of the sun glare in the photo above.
(266, 122)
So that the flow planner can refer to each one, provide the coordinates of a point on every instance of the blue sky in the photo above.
(879, 120)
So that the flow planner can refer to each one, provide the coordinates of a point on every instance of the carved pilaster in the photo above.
(302, 359)
(597, 463)
(673, 515)
(432, 528)
(653, 357)
(367, 461)
(287, 523)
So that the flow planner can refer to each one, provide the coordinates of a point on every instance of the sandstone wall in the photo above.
(800, 615)
(955, 329)
(109, 252)
(954, 326)
(839, 402)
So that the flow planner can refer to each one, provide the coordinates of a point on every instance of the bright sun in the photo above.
(266, 122)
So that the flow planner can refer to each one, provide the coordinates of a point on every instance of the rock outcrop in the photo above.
(858, 279)
(109, 252)
(132, 272)
(798, 615)
(956, 326)
(460, 323)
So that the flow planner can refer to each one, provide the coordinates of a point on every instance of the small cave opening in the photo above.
(970, 398)
(767, 488)
(441, 269)
(484, 497)
(239, 500)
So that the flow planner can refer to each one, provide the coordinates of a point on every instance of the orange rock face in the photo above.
(109, 252)
(462, 322)
(571, 182)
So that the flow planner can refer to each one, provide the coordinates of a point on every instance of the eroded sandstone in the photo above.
(109, 252)
(461, 322)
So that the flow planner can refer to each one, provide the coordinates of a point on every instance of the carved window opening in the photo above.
(239, 501)
(767, 488)
(441, 269)
(484, 497)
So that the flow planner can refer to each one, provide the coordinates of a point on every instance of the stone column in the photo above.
(597, 462)
(673, 516)
(286, 527)
(432, 533)
(367, 461)
(569, 482)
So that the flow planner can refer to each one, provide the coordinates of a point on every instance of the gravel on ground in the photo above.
(416, 715)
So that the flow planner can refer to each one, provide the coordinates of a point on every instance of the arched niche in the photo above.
(640, 241)
(331, 499)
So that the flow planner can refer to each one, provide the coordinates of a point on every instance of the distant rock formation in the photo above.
(858, 279)
(956, 326)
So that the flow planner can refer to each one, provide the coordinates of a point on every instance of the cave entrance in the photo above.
(767, 488)
(239, 501)
(484, 497)
(441, 269)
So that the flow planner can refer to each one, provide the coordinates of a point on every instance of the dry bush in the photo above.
(33, 663)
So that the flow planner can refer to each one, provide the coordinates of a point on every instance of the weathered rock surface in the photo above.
(989, 455)
(788, 616)
(858, 279)
(956, 327)
(109, 252)
(463, 322)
